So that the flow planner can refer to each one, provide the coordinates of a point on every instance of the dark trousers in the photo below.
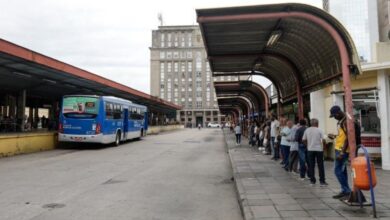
(285, 153)
(313, 157)
(238, 138)
(302, 151)
(293, 161)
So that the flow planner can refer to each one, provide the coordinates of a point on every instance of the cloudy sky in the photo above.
(109, 38)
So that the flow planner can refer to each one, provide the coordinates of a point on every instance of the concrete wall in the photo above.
(13, 144)
(159, 129)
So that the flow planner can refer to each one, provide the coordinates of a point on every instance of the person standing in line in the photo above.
(285, 144)
(342, 150)
(278, 139)
(237, 131)
(302, 149)
(313, 138)
(267, 138)
(293, 158)
(252, 132)
(274, 128)
(257, 133)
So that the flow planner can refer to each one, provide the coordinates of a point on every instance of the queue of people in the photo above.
(299, 145)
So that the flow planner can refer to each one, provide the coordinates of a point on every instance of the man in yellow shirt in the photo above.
(341, 152)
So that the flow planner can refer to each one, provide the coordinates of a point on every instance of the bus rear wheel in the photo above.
(117, 139)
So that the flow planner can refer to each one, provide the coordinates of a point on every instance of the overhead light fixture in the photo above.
(275, 35)
(25, 75)
(49, 81)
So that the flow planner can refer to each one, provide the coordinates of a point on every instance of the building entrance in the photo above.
(199, 120)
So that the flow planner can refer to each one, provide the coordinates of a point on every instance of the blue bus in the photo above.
(101, 119)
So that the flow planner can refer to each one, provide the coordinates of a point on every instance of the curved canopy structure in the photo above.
(300, 48)
(248, 89)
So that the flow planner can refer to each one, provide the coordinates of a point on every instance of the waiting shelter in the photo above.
(299, 48)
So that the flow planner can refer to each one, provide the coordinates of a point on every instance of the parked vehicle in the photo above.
(213, 125)
(101, 119)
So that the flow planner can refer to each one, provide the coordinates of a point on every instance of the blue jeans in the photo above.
(302, 151)
(340, 170)
(285, 152)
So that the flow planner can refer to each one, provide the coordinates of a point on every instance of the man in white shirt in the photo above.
(313, 138)
(274, 130)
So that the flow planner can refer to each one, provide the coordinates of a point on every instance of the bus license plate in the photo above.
(77, 138)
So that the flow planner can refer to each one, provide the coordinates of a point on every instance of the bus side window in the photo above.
(109, 110)
(118, 112)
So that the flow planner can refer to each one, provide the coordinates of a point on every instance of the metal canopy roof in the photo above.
(229, 103)
(299, 51)
(248, 89)
(43, 76)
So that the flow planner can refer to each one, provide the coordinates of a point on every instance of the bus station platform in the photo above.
(266, 191)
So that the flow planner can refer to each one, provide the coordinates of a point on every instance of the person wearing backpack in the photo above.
(342, 150)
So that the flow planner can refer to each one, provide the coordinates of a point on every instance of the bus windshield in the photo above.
(80, 107)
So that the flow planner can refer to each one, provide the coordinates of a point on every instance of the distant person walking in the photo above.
(313, 138)
(237, 131)
(199, 126)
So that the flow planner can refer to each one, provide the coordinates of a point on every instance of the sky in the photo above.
(109, 38)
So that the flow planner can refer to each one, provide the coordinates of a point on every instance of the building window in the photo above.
(183, 67)
(198, 104)
(189, 37)
(176, 40)
(162, 69)
(189, 54)
(162, 42)
(169, 67)
(182, 54)
(198, 94)
(169, 40)
(198, 84)
(169, 55)
(189, 66)
(183, 40)
(162, 55)
(176, 55)
(176, 67)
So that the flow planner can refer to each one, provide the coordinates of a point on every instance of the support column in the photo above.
(21, 105)
(300, 102)
(384, 110)
(279, 110)
(317, 100)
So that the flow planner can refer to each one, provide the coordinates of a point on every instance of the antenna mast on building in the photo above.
(160, 18)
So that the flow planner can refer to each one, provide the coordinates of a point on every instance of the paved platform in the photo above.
(266, 191)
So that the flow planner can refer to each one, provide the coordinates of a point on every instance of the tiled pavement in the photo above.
(266, 191)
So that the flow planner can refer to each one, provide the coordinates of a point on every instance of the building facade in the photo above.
(360, 17)
(384, 20)
(180, 73)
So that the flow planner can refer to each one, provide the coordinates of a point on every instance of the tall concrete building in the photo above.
(180, 73)
(384, 20)
(360, 17)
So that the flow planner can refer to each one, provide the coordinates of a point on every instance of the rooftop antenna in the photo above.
(160, 18)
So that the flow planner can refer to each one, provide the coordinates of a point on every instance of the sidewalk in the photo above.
(266, 191)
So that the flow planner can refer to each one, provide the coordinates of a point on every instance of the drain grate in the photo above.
(53, 206)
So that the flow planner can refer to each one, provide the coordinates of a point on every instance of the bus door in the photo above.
(125, 123)
(146, 121)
